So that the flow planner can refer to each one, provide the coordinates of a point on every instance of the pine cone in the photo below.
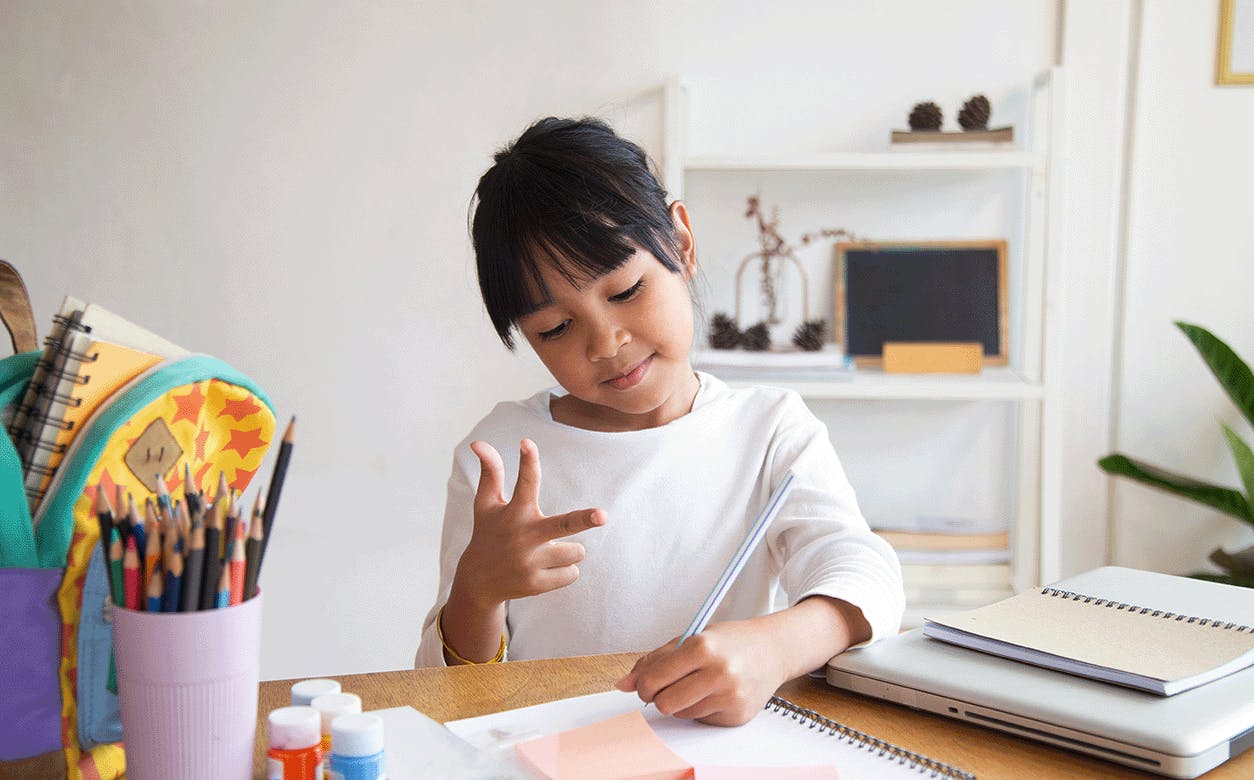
(925, 116)
(723, 332)
(974, 113)
(756, 339)
(810, 335)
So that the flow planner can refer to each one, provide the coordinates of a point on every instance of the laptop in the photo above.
(1179, 736)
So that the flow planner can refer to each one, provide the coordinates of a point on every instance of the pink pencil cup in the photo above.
(187, 684)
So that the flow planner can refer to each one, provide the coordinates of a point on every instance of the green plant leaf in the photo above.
(1244, 457)
(1224, 499)
(1226, 579)
(1228, 368)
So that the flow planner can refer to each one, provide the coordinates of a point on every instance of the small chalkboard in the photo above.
(927, 291)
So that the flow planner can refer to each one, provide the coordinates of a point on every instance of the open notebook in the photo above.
(781, 736)
(89, 354)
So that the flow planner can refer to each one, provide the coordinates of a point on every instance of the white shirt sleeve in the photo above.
(821, 542)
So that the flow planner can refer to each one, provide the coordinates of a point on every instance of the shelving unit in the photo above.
(1031, 381)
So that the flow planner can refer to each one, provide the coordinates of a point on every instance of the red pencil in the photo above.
(130, 575)
(238, 563)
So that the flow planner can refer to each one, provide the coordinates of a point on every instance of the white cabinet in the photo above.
(1029, 385)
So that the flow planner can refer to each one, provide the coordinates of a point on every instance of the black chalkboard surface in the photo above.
(929, 291)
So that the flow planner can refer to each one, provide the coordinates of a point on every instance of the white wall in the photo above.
(1189, 256)
(284, 185)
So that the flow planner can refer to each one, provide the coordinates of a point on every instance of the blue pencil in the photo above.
(173, 582)
(738, 560)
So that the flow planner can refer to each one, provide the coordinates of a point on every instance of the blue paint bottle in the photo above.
(356, 748)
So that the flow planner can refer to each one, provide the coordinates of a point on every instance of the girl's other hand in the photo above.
(723, 676)
(513, 550)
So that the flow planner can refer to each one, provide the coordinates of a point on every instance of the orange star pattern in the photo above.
(245, 442)
(201, 439)
(174, 481)
(240, 408)
(242, 478)
(189, 405)
(200, 475)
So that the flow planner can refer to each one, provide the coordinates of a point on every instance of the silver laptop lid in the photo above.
(927, 674)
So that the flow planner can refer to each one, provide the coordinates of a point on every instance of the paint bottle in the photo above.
(329, 707)
(295, 744)
(306, 691)
(356, 748)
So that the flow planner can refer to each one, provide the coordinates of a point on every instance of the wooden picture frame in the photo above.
(1234, 61)
(921, 291)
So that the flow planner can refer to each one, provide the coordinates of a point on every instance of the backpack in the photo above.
(61, 718)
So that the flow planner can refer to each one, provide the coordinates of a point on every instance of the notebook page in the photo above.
(772, 739)
(107, 326)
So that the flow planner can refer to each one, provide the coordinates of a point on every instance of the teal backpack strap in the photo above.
(17, 536)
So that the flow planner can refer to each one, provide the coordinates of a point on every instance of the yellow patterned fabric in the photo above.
(221, 429)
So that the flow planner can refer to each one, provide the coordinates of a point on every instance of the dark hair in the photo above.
(572, 193)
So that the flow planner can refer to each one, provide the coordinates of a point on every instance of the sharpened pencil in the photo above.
(156, 589)
(194, 569)
(213, 547)
(276, 484)
(252, 550)
(222, 599)
(130, 575)
(237, 565)
(173, 597)
(104, 516)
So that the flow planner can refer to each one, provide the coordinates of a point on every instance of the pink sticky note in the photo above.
(705, 772)
(620, 748)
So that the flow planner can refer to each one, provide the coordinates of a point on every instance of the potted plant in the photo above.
(1235, 377)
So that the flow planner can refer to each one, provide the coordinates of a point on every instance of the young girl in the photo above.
(653, 472)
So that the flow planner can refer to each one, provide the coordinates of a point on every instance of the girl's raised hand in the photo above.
(514, 549)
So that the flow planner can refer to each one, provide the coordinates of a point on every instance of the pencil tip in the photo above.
(290, 434)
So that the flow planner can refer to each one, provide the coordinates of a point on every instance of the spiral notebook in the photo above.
(89, 354)
(1155, 632)
(783, 739)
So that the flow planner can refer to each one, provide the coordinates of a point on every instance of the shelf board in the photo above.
(872, 384)
(968, 160)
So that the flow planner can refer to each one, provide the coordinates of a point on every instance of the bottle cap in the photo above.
(306, 691)
(295, 728)
(332, 705)
(357, 735)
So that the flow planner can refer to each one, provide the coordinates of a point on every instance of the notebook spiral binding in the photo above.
(928, 766)
(1223, 625)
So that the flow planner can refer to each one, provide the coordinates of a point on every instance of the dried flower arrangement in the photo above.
(771, 255)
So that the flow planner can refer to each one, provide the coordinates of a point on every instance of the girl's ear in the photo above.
(684, 238)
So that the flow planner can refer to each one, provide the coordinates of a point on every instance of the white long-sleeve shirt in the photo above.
(678, 501)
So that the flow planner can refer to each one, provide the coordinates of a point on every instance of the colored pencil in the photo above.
(115, 568)
(213, 547)
(152, 555)
(173, 583)
(237, 565)
(276, 484)
(252, 550)
(195, 567)
(130, 575)
(223, 598)
(232, 525)
(104, 516)
(156, 587)
(190, 492)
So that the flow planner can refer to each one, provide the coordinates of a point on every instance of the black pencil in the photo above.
(276, 485)
(252, 550)
(212, 568)
(104, 514)
(193, 567)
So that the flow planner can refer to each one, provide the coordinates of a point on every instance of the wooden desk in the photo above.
(465, 691)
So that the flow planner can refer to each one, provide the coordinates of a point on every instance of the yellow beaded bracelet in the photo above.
(439, 631)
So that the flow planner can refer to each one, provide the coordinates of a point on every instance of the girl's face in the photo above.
(620, 344)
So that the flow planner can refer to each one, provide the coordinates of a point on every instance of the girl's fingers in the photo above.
(551, 579)
(663, 669)
(557, 526)
(527, 488)
(691, 696)
(491, 475)
(557, 554)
